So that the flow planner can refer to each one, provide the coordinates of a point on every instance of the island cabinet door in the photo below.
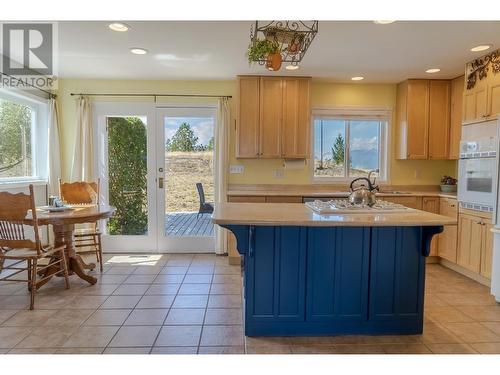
(396, 273)
(337, 274)
(275, 274)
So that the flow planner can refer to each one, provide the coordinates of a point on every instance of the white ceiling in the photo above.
(216, 50)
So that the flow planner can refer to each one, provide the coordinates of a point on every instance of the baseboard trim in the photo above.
(471, 275)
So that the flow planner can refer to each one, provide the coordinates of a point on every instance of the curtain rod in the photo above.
(51, 95)
(158, 95)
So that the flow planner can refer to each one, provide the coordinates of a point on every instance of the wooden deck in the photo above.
(185, 224)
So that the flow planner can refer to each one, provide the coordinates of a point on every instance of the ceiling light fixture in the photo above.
(138, 51)
(118, 26)
(382, 22)
(433, 70)
(481, 47)
(358, 78)
(291, 67)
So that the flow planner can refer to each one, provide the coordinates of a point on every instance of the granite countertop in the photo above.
(337, 193)
(297, 214)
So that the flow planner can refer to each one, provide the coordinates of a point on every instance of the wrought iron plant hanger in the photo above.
(478, 68)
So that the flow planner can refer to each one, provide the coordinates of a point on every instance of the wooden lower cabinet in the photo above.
(487, 251)
(447, 241)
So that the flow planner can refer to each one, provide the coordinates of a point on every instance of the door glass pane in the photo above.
(364, 145)
(127, 168)
(189, 146)
(329, 147)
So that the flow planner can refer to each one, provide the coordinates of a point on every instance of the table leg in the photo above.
(64, 236)
(87, 266)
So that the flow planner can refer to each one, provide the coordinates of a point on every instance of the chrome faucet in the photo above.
(370, 178)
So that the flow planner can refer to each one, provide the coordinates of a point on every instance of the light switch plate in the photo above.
(236, 169)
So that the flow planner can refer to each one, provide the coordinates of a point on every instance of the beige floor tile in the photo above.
(190, 301)
(120, 270)
(376, 339)
(140, 279)
(114, 317)
(225, 289)
(141, 350)
(466, 299)
(11, 336)
(135, 336)
(434, 300)
(131, 290)
(33, 351)
(174, 350)
(91, 337)
(493, 326)
(406, 349)
(120, 302)
(99, 290)
(269, 349)
(435, 333)
(168, 279)
(224, 316)
(79, 351)
(29, 318)
(312, 341)
(185, 317)
(112, 279)
(148, 270)
(179, 336)
(227, 270)
(482, 313)
(174, 270)
(9, 289)
(200, 270)
(14, 302)
(222, 335)
(472, 332)
(6, 314)
(487, 348)
(156, 302)
(446, 314)
(227, 279)
(178, 262)
(47, 337)
(68, 318)
(159, 289)
(194, 289)
(451, 349)
(146, 317)
(221, 350)
(197, 279)
(313, 349)
(224, 301)
(86, 302)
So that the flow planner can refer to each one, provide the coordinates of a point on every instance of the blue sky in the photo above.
(203, 127)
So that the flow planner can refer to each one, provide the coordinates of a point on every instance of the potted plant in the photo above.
(264, 49)
(448, 184)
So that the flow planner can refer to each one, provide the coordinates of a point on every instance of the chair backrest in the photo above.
(201, 193)
(13, 217)
(80, 192)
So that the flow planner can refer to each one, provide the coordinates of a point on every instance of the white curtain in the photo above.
(221, 157)
(54, 153)
(82, 168)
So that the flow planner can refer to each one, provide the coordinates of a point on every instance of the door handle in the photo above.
(160, 183)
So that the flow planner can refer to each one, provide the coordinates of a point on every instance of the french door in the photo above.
(148, 172)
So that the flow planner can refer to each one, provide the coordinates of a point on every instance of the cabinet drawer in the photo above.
(448, 207)
(412, 202)
(246, 199)
(284, 199)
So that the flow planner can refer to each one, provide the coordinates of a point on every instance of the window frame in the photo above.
(39, 137)
(384, 115)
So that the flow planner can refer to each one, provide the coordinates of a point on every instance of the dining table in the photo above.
(63, 224)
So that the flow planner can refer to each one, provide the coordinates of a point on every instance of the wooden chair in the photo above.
(84, 193)
(17, 248)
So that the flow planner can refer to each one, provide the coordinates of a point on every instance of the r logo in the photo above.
(27, 49)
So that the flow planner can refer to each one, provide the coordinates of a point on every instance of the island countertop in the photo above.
(297, 214)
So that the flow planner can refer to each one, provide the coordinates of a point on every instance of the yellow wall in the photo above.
(324, 94)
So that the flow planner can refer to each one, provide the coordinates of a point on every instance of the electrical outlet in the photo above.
(236, 169)
(278, 173)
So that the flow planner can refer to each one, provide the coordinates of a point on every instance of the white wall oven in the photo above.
(478, 166)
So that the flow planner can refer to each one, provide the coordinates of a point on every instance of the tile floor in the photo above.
(188, 304)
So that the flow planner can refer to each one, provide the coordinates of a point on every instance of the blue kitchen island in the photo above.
(311, 274)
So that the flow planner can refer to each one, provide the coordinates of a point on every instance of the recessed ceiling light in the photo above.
(481, 47)
(433, 70)
(291, 67)
(382, 22)
(358, 78)
(117, 26)
(138, 51)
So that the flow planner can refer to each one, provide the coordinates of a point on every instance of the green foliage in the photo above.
(127, 161)
(15, 124)
(260, 48)
(183, 139)
(338, 150)
(210, 145)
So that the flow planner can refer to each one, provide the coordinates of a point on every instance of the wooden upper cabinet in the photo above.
(439, 118)
(274, 117)
(296, 118)
(493, 107)
(247, 145)
(475, 101)
(457, 91)
(271, 108)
